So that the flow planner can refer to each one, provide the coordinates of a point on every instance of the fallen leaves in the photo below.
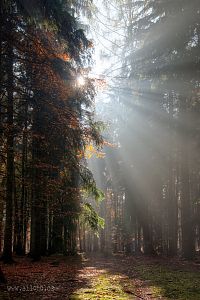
(113, 278)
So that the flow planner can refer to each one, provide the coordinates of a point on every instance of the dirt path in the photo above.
(117, 278)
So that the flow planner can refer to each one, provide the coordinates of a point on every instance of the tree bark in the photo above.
(187, 226)
(7, 251)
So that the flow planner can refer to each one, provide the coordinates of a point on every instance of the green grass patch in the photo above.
(103, 287)
(171, 284)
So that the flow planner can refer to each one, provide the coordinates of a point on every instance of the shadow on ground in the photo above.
(104, 278)
(54, 277)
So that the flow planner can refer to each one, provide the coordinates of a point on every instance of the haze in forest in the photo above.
(149, 51)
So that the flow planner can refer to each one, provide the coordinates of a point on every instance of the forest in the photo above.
(100, 149)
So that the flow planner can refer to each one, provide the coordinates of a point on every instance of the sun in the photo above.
(80, 80)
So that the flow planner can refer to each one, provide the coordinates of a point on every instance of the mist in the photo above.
(152, 117)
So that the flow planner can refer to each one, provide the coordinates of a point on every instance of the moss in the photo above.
(103, 287)
(171, 284)
(159, 281)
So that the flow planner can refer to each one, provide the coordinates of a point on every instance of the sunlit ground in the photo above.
(113, 278)
(141, 280)
(105, 287)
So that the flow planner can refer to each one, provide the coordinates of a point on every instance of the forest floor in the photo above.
(105, 278)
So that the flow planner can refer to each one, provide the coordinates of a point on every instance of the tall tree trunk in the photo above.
(35, 250)
(50, 221)
(44, 227)
(37, 185)
(57, 230)
(172, 201)
(7, 251)
(16, 215)
(186, 205)
(21, 236)
(146, 224)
